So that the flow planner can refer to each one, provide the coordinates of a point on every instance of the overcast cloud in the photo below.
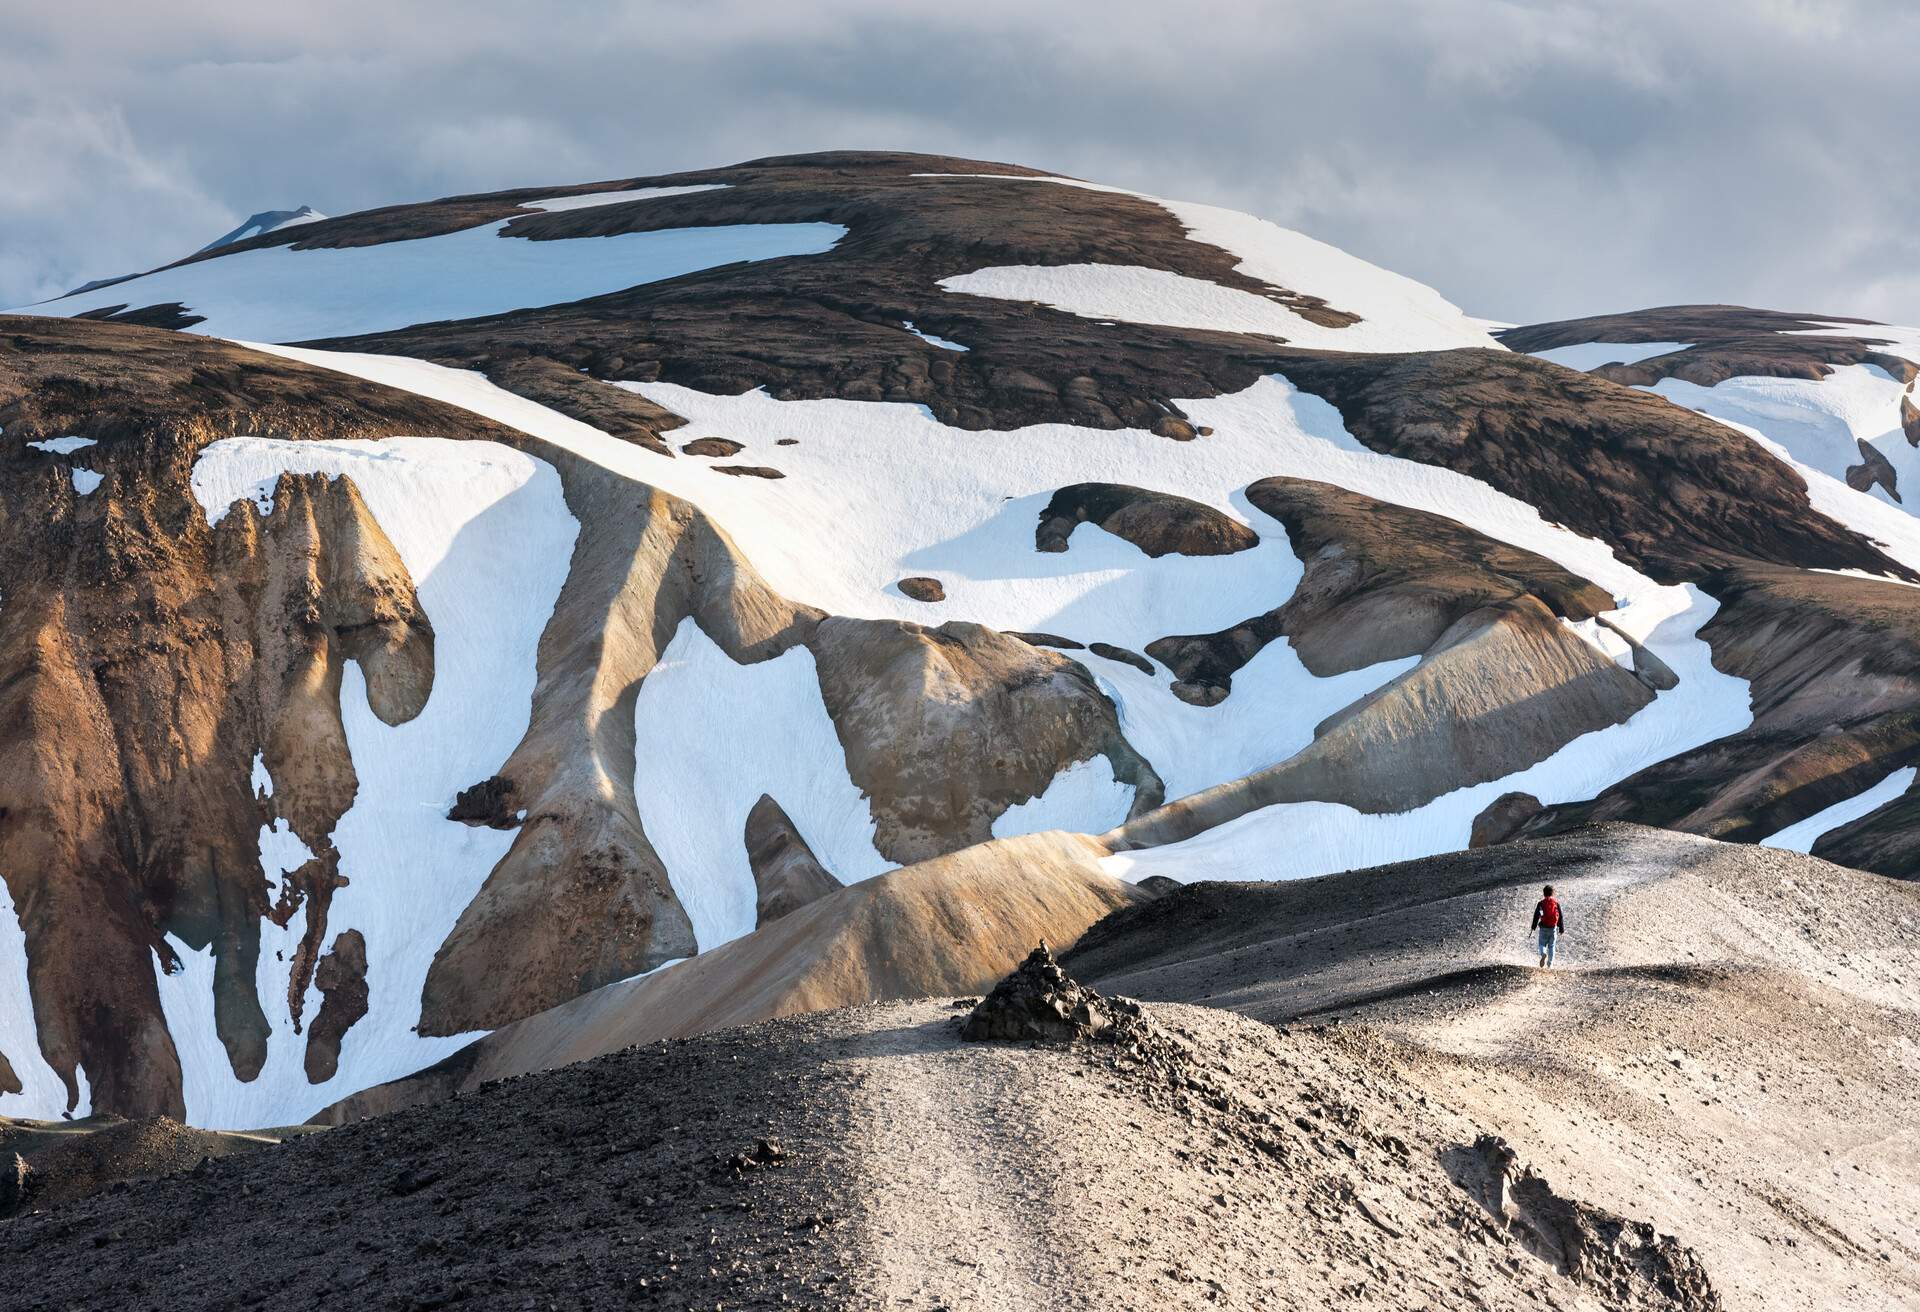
(1531, 160)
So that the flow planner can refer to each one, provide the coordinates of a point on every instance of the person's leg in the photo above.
(1546, 950)
(1547, 939)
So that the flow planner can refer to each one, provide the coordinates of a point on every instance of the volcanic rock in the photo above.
(1158, 523)
(786, 873)
(1040, 1001)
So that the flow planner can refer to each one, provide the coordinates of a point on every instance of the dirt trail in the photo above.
(954, 1179)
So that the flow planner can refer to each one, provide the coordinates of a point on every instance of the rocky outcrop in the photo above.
(1831, 662)
(945, 728)
(713, 446)
(147, 659)
(1675, 494)
(1121, 654)
(1721, 342)
(341, 978)
(1874, 470)
(1382, 582)
(1502, 688)
(613, 410)
(922, 588)
(786, 873)
(953, 925)
(1502, 818)
(1158, 523)
(581, 898)
(492, 802)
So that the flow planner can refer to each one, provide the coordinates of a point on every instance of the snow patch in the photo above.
(1802, 836)
(1083, 798)
(280, 294)
(86, 480)
(1585, 356)
(930, 339)
(703, 727)
(595, 199)
(42, 1094)
(62, 446)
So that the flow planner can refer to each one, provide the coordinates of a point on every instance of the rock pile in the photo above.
(1041, 1001)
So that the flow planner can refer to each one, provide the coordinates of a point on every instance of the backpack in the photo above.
(1549, 913)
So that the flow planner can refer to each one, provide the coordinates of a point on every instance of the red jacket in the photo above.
(1547, 912)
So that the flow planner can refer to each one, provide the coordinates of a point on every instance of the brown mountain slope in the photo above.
(949, 925)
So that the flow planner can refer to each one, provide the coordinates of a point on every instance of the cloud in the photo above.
(1531, 160)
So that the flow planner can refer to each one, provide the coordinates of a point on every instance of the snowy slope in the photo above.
(711, 737)
(876, 491)
(285, 295)
(486, 535)
(1396, 313)
(1818, 424)
(871, 493)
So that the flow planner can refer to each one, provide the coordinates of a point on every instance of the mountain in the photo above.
(258, 225)
(469, 607)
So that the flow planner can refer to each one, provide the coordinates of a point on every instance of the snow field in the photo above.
(712, 736)
(1298, 840)
(1396, 313)
(1821, 424)
(876, 491)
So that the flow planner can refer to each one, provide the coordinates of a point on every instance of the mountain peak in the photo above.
(264, 222)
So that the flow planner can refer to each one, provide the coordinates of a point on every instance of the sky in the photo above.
(1531, 160)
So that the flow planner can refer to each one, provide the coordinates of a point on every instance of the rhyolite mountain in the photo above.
(842, 570)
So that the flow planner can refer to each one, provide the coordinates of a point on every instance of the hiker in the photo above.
(1550, 921)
